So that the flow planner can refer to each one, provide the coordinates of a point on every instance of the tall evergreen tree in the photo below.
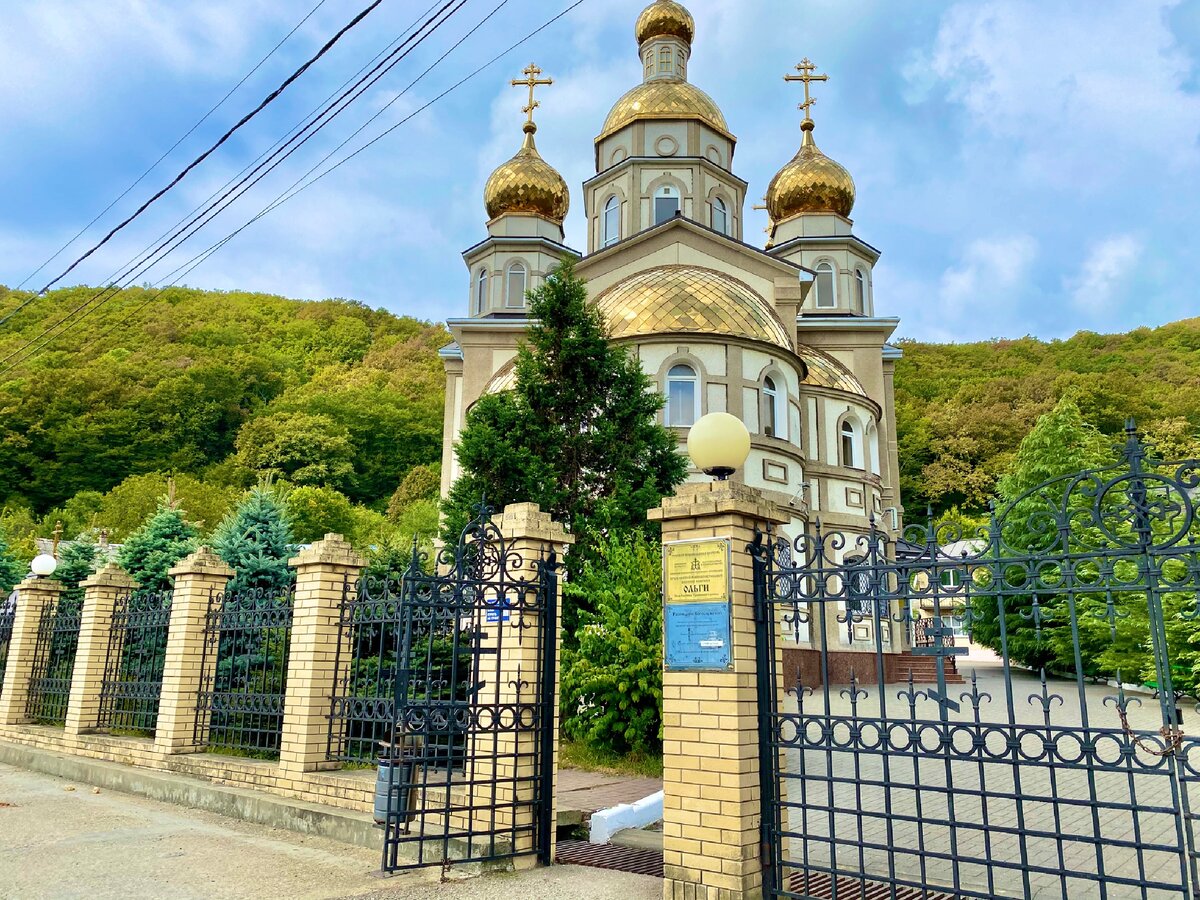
(579, 434)
(76, 563)
(150, 552)
(11, 570)
(256, 541)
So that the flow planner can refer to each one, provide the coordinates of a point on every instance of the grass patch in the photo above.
(574, 755)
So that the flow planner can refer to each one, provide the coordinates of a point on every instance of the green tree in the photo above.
(77, 561)
(579, 434)
(422, 483)
(256, 541)
(317, 511)
(150, 552)
(305, 449)
(612, 672)
(11, 570)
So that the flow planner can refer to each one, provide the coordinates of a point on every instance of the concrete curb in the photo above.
(183, 790)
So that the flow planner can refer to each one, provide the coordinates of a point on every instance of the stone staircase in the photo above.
(924, 669)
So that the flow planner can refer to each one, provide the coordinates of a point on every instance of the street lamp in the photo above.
(43, 566)
(719, 445)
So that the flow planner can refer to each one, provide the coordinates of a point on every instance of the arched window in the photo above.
(664, 60)
(860, 291)
(666, 204)
(517, 278)
(873, 449)
(720, 216)
(612, 221)
(649, 63)
(775, 411)
(481, 292)
(826, 287)
(851, 457)
(683, 397)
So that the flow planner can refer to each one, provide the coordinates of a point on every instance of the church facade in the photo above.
(784, 336)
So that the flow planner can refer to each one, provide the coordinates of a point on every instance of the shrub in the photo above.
(612, 676)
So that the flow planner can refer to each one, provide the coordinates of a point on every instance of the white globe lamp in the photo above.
(43, 566)
(719, 445)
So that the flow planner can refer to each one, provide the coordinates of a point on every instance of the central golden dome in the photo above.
(527, 184)
(665, 18)
(689, 299)
(810, 183)
(665, 99)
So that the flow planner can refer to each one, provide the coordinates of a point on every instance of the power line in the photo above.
(146, 260)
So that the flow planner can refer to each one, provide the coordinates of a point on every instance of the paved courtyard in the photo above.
(1114, 822)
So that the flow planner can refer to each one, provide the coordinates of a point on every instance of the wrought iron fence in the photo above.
(133, 670)
(54, 662)
(8, 615)
(244, 672)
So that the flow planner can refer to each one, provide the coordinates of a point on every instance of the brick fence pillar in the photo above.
(530, 536)
(35, 596)
(324, 573)
(711, 772)
(198, 579)
(100, 595)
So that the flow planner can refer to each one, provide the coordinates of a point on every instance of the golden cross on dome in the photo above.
(531, 81)
(806, 69)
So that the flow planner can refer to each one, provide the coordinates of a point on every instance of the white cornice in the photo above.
(795, 243)
(489, 324)
(847, 323)
(493, 240)
(892, 352)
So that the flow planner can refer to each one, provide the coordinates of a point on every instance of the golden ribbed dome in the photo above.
(665, 18)
(505, 378)
(527, 184)
(810, 183)
(666, 99)
(691, 299)
(825, 371)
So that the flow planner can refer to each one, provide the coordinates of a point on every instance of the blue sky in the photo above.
(1026, 166)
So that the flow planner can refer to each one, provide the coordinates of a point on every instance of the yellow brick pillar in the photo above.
(100, 595)
(324, 573)
(510, 782)
(711, 771)
(35, 596)
(199, 578)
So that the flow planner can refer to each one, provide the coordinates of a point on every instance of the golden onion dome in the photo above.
(825, 371)
(689, 299)
(665, 18)
(527, 184)
(810, 183)
(665, 99)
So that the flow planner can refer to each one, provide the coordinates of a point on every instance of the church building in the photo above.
(784, 336)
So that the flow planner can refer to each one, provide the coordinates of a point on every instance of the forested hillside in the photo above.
(223, 390)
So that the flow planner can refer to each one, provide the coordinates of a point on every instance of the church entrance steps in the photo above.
(805, 666)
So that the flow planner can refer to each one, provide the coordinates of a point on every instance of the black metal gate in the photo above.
(470, 776)
(1060, 768)
(133, 669)
(54, 661)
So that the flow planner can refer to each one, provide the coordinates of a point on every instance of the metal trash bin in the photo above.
(393, 787)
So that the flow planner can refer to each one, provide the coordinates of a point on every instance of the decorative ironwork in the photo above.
(54, 662)
(1028, 782)
(8, 615)
(472, 725)
(240, 705)
(133, 670)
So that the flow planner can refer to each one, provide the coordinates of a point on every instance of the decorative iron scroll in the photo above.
(133, 670)
(54, 662)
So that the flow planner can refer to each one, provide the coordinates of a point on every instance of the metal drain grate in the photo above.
(820, 887)
(608, 856)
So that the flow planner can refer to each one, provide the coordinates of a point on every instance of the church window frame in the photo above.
(861, 291)
(720, 216)
(683, 385)
(851, 445)
(649, 63)
(825, 286)
(871, 449)
(611, 222)
(481, 291)
(668, 202)
(775, 406)
(514, 290)
(666, 61)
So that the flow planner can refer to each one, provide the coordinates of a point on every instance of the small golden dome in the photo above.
(665, 18)
(689, 299)
(505, 378)
(810, 183)
(527, 184)
(667, 99)
(825, 371)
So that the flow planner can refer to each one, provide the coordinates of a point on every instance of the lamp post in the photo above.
(43, 566)
(719, 445)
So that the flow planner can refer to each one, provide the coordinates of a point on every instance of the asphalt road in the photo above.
(59, 843)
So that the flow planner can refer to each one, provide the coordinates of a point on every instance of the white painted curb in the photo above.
(608, 822)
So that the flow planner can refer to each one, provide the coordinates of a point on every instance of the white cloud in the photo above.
(989, 270)
(1105, 271)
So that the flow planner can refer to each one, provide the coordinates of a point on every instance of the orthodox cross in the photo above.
(58, 533)
(806, 76)
(532, 81)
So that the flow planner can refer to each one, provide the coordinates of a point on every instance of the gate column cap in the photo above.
(716, 497)
(202, 562)
(332, 550)
(111, 575)
(38, 584)
(526, 520)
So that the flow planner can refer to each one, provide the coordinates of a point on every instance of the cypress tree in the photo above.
(256, 541)
(150, 552)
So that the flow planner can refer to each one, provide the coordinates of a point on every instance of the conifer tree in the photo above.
(76, 563)
(256, 541)
(11, 570)
(150, 552)
(579, 434)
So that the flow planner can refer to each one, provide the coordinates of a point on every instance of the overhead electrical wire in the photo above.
(331, 111)
(305, 182)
